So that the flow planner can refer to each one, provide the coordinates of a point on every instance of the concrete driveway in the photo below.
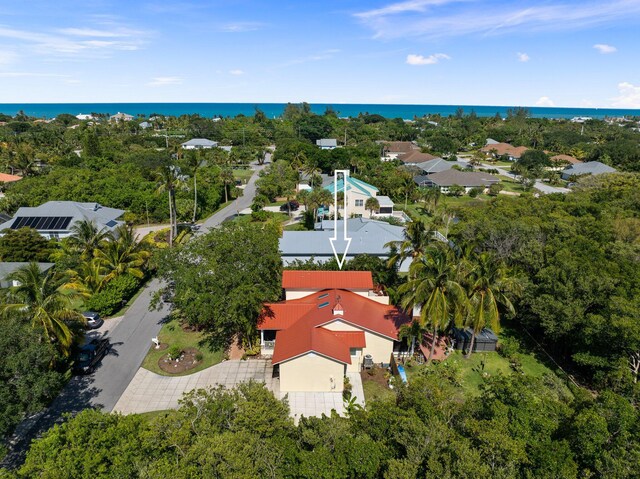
(315, 404)
(151, 392)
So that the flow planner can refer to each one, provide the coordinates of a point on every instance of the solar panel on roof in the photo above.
(42, 222)
(112, 223)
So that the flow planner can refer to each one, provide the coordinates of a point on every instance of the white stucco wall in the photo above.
(312, 373)
(379, 347)
(292, 293)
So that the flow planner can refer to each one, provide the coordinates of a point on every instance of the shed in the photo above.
(486, 340)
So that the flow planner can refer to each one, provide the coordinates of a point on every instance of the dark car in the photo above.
(94, 321)
(89, 356)
(290, 206)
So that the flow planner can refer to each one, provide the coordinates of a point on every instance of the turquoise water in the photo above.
(272, 110)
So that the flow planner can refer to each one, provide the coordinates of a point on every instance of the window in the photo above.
(359, 202)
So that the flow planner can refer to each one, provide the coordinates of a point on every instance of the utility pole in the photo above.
(345, 136)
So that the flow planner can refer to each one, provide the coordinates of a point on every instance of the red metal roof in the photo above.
(353, 339)
(282, 315)
(327, 279)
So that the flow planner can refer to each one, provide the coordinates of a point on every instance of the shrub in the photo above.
(508, 347)
(495, 189)
(174, 352)
(259, 215)
(474, 192)
(114, 295)
(199, 356)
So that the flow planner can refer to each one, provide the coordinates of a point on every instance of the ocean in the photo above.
(273, 110)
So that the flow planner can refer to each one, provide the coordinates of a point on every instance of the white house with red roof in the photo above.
(327, 325)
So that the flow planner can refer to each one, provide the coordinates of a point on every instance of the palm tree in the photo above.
(226, 175)
(38, 296)
(87, 279)
(194, 160)
(87, 238)
(488, 284)
(123, 255)
(416, 239)
(169, 179)
(434, 287)
(413, 332)
(372, 204)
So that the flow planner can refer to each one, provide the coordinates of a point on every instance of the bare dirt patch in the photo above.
(376, 375)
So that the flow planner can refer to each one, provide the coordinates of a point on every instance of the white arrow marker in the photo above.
(340, 249)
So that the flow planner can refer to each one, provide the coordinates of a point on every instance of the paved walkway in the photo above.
(151, 392)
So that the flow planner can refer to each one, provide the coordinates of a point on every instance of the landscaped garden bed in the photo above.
(186, 341)
(185, 360)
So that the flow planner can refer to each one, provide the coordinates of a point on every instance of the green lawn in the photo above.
(282, 217)
(295, 227)
(374, 390)
(171, 334)
(243, 174)
(474, 370)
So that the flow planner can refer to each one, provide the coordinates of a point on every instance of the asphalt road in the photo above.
(130, 340)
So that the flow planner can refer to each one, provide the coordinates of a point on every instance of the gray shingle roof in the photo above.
(438, 164)
(463, 178)
(200, 142)
(6, 268)
(590, 167)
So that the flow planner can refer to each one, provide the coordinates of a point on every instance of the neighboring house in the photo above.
(580, 119)
(416, 157)
(491, 141)
(392, 149)
(588, 168)
(327, 143)
(6, 178)
(565, 158)
(438, 164)
(83, 116)
(356, 195)
(446, 179)
(54, 219)
(145, 124)
(121, 117)
(10, 267)
(327, 325)
(199, 144)
(367, 237)
(504, 149)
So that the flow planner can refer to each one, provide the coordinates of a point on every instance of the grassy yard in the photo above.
(281, 217)
(474, 370)
(151, 415)
(172, 334)
(374, 390)
(295, 227)
(243, 174)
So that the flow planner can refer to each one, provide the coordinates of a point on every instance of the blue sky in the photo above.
(571, 53)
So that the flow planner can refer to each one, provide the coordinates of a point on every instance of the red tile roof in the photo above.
(353, 339)
(327, 279)
(299, 339)
(505, 149)
(570, 159)
(5, 178)
(416, 156)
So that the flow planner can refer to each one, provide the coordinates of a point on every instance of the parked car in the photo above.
(94, 321)
(89, 355)
(292, 205)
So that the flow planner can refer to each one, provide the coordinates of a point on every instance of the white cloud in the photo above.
(604, 48)
(432, 19)
(236, 72)
(523, 57)
(629, 96)
(545, 101)
(323, 55)
(76, 42)
(165, 81)
(7, 57)
(241, 27)
(414, 59)
(403, 7)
